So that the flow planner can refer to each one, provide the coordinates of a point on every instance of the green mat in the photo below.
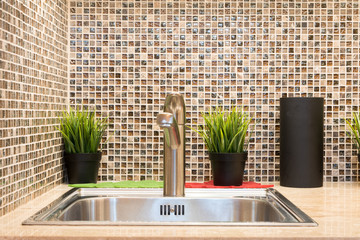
(123, 184)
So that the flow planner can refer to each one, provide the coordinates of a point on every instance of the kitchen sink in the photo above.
(250, 207)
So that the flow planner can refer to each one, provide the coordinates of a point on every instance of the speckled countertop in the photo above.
(336, 207)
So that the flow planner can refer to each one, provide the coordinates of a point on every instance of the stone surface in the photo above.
(336, 207)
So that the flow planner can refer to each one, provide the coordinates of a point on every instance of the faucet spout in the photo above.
(172, 121)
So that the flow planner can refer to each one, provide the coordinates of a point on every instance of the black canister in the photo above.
(301, 142)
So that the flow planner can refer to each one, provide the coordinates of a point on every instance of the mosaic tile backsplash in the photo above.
(33, 90)
(125, 56)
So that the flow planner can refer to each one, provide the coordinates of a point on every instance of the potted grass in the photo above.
(82, 134)
(224, 135)
(354, 126)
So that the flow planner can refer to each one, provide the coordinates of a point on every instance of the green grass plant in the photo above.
(81, 131)
(355, 129)
(225, 132)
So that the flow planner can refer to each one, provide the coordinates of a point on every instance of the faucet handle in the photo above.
(165, 119)
(168, 122)
(175, 104)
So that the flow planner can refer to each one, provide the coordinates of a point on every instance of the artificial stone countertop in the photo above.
(335, 207)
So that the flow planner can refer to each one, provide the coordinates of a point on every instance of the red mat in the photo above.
(210, 184)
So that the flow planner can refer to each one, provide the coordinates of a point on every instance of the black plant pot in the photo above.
(82, 167)
(228, 168)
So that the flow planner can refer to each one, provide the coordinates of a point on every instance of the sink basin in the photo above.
(252, 207)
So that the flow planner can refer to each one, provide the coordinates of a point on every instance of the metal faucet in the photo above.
(173, 123)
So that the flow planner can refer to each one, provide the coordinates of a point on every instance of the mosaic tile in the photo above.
(33, 90)
(125, 56)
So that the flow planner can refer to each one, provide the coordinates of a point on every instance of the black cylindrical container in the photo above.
(301, 142)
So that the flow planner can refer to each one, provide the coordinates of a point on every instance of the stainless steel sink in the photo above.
(252, 207)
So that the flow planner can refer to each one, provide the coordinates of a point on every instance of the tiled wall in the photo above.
(125, 56)
(33, 90)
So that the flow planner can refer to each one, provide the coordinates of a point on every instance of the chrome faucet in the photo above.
(173, 123)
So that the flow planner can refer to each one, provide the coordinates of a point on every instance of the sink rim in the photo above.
(39, 218)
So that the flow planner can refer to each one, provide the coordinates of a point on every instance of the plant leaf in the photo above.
(224, 132)
(81, 131)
